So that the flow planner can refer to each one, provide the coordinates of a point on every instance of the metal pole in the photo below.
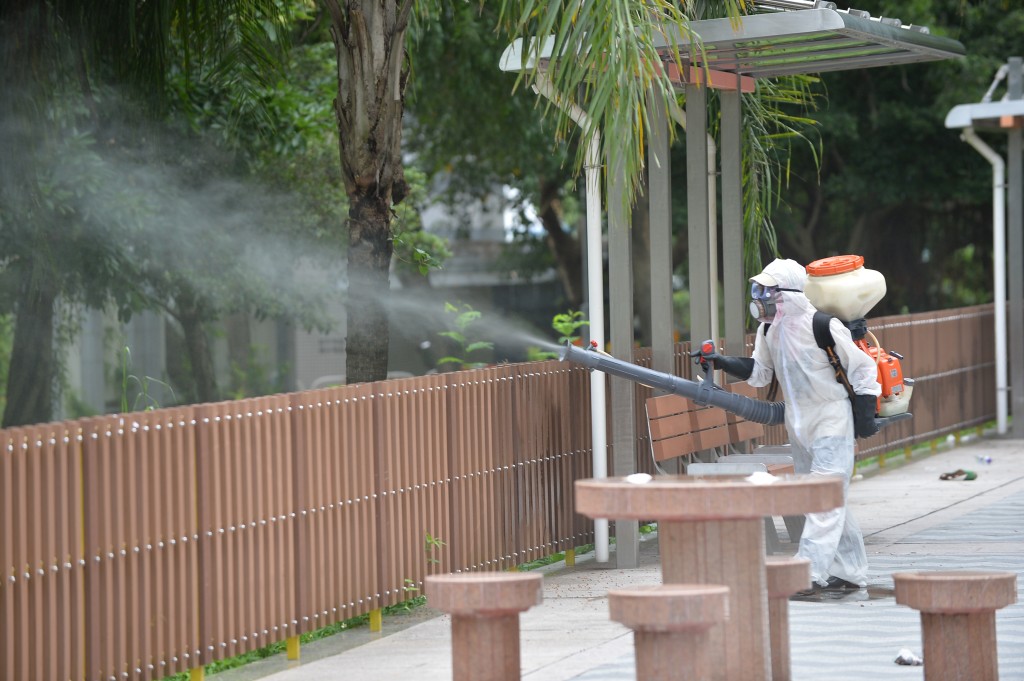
(659, 186)
(623, 400)
(734, 279)
(1015, 248)
(697, 211)
(595, 297)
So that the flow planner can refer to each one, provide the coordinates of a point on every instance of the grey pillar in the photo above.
(733, 277)
(1015, 255)
(697, 213)
(659, 186)
(623, 400)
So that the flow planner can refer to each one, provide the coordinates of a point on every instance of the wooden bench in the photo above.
(677, 427)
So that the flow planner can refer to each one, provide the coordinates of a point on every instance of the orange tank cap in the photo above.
(837, 264)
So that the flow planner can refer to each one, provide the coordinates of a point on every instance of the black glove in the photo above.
(864, 415)
(737, 367)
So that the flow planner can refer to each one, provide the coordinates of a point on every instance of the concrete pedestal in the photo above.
(785, 576)
(485, 609)
(670, 626)
(958, 621)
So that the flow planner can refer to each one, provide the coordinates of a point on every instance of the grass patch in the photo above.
(310, 636)
(647, 528)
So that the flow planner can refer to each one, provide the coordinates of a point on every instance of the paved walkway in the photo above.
(911, 520)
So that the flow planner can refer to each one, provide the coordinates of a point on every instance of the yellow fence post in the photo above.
(570, 557)
(197, 674)
(908, 453)
(293, 647)
(376, 619)
(881, 460)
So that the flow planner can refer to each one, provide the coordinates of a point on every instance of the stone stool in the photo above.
(958, 619)
(786, 576)
(485, 609)
(670, 624)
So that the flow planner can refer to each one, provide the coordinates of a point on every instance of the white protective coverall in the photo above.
(819, 418)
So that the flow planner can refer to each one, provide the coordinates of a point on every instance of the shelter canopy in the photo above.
(814, 40)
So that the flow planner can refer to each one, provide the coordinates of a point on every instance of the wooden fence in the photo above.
(140, 545)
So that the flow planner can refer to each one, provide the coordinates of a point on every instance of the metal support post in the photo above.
(733, 277)
(1015, 253)
(700, 283)
(623, 409)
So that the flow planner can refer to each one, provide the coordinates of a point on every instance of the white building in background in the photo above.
(110, 361)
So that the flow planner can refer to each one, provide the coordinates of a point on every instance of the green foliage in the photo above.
(140, 386)
(417, 252)
(478, 129)
(253, 378)
(565, 324)
(6, 343)
(468, 124)
(431, 545)
(615, 100)
(464, 319)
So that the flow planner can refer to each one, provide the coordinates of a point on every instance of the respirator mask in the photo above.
(765, 301)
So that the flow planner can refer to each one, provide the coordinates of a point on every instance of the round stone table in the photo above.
(711, 531)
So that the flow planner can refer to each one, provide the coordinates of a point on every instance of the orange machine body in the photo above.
(890, 371)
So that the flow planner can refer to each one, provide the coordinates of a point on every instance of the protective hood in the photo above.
(785, 274)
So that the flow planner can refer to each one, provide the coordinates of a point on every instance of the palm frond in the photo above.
(606, 63)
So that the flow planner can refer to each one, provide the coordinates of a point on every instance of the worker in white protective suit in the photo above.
(819, 417)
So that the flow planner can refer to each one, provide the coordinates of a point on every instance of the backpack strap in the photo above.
(825, 341)
(823, 334)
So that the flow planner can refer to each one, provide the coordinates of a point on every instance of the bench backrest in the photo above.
(677, 426)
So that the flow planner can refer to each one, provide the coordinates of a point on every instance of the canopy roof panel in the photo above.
(789, 42)
(812, 41)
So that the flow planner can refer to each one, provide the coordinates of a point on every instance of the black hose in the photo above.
(768, 413)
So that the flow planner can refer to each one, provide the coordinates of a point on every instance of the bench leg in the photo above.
(795, 526)
(771, 536)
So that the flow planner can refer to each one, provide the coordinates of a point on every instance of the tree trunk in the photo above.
(30, 378)
(565, 247)
(197, 347)
(369, 40)
(369, 257)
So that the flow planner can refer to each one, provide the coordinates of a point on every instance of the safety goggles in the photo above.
(762, 292)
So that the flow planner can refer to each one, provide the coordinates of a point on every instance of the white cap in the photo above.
(764, 279)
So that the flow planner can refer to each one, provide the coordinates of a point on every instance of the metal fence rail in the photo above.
(140, 545)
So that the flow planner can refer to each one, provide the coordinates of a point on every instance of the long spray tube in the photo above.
(703, 393)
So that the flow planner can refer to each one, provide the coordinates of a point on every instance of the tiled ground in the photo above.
(858, 637)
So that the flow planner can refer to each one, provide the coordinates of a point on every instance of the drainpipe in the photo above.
(595, 293)
(998, 266)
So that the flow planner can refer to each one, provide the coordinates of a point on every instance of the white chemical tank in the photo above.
(843, 287)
